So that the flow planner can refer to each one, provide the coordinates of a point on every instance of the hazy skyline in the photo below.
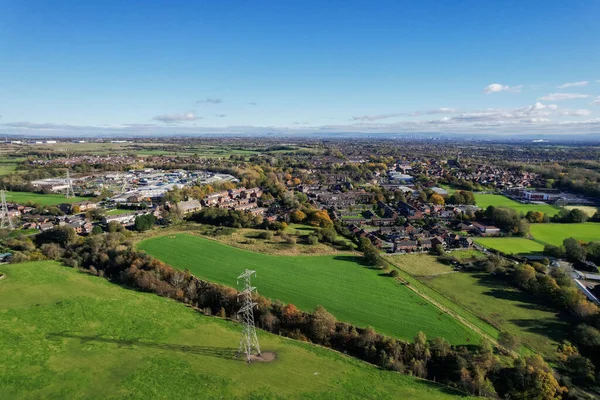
(151, 67)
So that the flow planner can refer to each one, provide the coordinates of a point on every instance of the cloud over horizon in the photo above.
(210, 100)
(563, 96)
(573, 84)
(174, 118)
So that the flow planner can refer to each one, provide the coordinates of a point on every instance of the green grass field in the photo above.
(511, 245)
(497, 200)
(419, 264)
(467, 255)
(66, 334)
(556, 233)
(505, 307)
(41, 199)
(350, 291)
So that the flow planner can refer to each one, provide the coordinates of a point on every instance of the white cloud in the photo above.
(596, 101)
(376, 117)
(213, 100)
(496, 87)
(575, 113)
(173, 118)
(573, 84)
(563, 96)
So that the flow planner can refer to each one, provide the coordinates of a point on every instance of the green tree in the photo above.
(144, 222)
(322, 324)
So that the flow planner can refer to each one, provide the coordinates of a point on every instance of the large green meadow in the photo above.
(556, 233)
(511, 245)
(352, 292)
(41, 199)
(484, 200)
(67, 335)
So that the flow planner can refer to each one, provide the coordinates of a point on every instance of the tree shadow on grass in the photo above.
(226, 353)
(554, 329)
(502, 290)
(352, 259)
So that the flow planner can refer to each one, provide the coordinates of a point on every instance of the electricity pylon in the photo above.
(70, 192)
(5, 221)
(248, 340)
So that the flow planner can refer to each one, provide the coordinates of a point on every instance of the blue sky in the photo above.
(69, 67)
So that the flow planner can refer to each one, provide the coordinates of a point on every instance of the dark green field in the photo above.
(350, 291)
(68, 335)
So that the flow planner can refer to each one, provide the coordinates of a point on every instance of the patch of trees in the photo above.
(226, 217)
(144, 222)
(506, 219)
(574, 251)
(462, 197)
(574, 216)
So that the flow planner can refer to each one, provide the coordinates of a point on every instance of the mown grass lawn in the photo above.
(66, 334)
(511, 245)
(41, 199)
(350, 291)
(556, 233)
(484, 200)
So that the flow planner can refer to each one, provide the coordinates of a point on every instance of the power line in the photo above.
(248, 339)
(70, 192)
(5, 221)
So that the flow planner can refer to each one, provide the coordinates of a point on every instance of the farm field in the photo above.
(41, 199)
(350, 291)
(497, 200)
(556, 233)
(505, 307)
(67, 334)
(510, 245)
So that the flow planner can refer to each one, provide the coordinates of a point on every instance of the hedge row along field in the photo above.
(66, 334)
(350, 291)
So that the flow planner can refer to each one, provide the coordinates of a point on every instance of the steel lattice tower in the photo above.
(248, 340)
(5, 221)
(70, 192)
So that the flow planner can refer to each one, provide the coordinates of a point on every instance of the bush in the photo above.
(394, 273)
(312, 240)
(266, 235)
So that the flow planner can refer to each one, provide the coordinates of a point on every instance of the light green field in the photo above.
(419, 264)
(589, 210)
(467, 254)
(118, 211)
(556, 233)
(41, 199)
(505, 307)
(511, 245)
(497, 200)
(350, 291)
(66, 334)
